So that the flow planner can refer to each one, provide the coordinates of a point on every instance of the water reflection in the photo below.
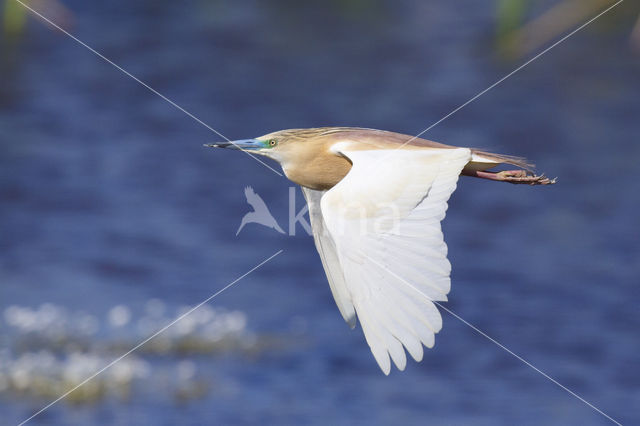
(51, 349)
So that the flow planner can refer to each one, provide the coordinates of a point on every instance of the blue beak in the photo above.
(242, 144)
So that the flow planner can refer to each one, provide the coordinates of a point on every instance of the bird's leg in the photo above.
(512, 176)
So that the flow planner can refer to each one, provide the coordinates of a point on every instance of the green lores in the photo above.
(268, 143)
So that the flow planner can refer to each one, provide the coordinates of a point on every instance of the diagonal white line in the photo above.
(518, 357)
(118, 67)
(512, 72)
(150, 337)
(500, 345)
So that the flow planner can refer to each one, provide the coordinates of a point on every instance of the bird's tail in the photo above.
(506, 159)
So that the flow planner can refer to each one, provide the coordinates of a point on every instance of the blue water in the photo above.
(108, 200)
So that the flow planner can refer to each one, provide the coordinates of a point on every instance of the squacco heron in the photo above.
(375, 206)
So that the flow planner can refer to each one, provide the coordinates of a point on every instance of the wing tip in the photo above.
(351, 323)
(383, 362)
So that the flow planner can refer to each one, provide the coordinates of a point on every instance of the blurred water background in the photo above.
(114, 219)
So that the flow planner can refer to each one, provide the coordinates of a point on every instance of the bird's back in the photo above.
(320, 167)
(368, 138)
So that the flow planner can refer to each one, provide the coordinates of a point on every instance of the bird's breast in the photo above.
(320, 174)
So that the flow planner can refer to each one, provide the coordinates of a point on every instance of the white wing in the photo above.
(383, 221)
(327, 250)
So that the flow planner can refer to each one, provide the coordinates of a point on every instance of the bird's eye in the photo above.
(273, 142)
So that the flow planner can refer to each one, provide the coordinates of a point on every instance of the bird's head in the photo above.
(304, 154)
(284, 146)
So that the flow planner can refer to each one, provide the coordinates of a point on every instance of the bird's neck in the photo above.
(320, 171)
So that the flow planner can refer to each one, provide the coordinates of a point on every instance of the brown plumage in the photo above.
(316, 167)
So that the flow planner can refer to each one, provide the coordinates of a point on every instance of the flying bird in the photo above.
(376, 200)
(260, 213)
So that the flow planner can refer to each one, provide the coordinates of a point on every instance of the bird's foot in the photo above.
(522, 177)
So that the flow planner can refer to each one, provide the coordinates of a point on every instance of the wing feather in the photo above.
(382, 246)
(328, 256)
